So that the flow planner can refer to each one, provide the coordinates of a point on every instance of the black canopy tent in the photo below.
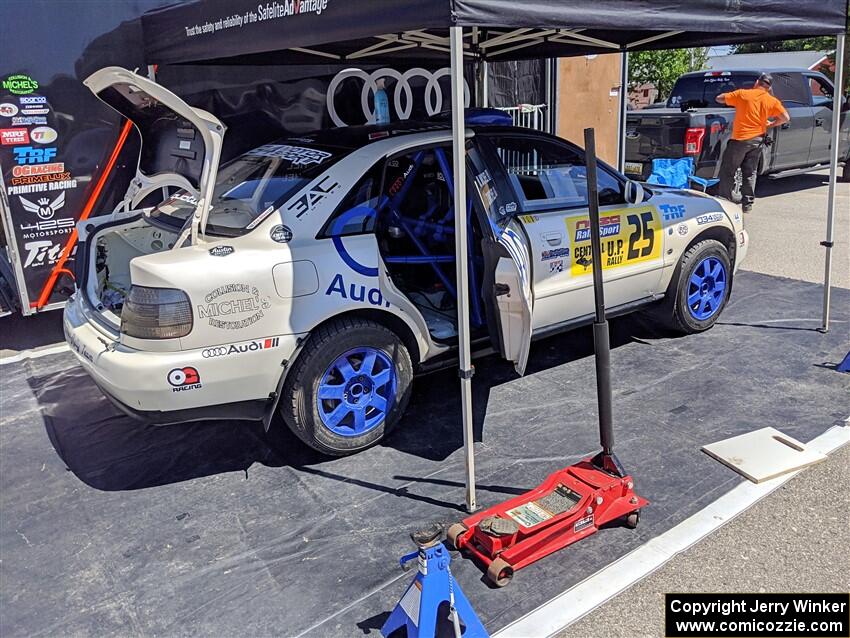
(477, 31)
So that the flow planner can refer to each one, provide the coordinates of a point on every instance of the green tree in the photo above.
(821, 43)
(662, 68)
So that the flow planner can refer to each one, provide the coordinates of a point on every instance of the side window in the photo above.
(790, 89)
(821, 91)
(356, 213)
(546, 175)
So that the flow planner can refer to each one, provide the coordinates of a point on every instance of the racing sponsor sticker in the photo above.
(12, 136)
(710, 218)
(233, 306)
(672, 211)
(222, 251)
(682, 229)
(183, 379)
(556, 266)
(241, 348)
(309, 200)
(295, 155)
(281, 234)
(627, 236)
(555, 253)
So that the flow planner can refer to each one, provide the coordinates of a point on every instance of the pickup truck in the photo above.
(694, 125)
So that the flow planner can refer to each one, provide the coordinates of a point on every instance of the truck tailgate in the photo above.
(654, 134)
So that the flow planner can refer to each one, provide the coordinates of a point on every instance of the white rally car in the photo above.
(315, 275)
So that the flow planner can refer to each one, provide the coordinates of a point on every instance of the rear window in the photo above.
(253, 185)
(699, 91)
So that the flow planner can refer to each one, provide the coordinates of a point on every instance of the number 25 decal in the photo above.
(642, 232)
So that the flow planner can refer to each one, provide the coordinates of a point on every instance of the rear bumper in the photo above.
(220, 382)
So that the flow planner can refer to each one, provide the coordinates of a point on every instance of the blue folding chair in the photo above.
(678, 173)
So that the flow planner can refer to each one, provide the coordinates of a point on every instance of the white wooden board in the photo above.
(763, 454)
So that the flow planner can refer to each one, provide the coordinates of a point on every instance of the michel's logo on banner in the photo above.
(20, 84)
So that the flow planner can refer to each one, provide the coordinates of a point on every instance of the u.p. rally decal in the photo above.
(627, 236)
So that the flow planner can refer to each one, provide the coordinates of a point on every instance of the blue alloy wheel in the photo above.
(707, 288)
(356, 391)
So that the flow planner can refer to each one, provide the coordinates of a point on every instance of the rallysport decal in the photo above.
(628, 236)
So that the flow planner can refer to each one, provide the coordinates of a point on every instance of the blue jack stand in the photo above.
(432, 585)
(844, 366)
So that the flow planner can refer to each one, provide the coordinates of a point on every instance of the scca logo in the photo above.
(31, 155)
(182, 379)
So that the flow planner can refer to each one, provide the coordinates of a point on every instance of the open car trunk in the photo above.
(180, 150)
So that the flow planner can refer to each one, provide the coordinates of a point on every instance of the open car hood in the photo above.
(181, 145)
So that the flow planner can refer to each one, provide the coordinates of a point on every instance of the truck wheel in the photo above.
(694, 301)
(348, 388)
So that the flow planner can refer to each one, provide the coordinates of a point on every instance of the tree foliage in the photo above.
(821, 43)
(662, 68)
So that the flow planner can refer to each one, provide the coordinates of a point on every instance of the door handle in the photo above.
(787, 125)
(502, 289)
(818, 121)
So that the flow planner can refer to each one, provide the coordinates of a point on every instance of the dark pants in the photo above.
(743, 154)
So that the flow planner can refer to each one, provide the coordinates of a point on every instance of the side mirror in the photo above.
(634, 192)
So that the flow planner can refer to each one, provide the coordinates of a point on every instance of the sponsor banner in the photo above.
(628, 236)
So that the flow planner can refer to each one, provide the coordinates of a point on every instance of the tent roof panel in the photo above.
(310, 31)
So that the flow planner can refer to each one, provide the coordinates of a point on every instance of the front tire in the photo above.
(348, 388)
(701, 290)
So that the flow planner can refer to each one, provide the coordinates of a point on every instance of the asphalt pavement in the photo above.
(796, 539)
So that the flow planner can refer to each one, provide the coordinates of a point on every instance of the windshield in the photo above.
(699, 91)
(251, 186)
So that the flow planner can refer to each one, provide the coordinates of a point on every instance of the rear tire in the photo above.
(698, 296)
(348, 388)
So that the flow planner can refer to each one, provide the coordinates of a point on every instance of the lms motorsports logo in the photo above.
(20, 84)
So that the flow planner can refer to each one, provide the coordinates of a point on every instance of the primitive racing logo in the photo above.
(241, 348)
(233, 306)
(183, 379)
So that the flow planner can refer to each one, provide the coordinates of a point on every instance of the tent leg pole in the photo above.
(461, 263)
(833, 177)
(621, 118)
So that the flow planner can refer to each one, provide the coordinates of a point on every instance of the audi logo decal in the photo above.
(403, 106)
(214, 352)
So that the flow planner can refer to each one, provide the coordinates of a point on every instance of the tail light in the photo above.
(156, 313)
(693, 140)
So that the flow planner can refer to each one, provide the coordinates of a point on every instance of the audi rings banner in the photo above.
(263, 103)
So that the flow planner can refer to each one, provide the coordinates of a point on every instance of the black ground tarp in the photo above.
(112, 528)
(268, 31)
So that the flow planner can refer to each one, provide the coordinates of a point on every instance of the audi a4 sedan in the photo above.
(314, 276)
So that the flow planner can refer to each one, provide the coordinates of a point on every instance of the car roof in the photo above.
(750, 71)
(350, 138)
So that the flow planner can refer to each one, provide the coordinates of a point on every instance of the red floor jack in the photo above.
(573, 502)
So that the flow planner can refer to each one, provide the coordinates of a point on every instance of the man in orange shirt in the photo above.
(756, 110)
